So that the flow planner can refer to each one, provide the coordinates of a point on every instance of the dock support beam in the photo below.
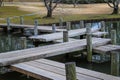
(103, 26)
(54, 28)
(65, 36)
(89, 43)
(115, 63)
(115, 56)
(23, 43)
(68, 26)
(8, 24)
(113, 37)
(70, 71)
(21, 20)
(82, 24)
(61, 22)
(36, 28)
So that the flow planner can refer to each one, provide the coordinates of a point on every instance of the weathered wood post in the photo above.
(115, 63)
(8, 24)
(21, 20)
(89, 42)
(54, 28)
(82, 24)
(113, 37)
(70, 71)
(61, 22)
(23, 43)
(68, 26)
(115, 56)
(65, 36)
(36, 27)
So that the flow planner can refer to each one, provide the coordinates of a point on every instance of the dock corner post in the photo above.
(89, 43)
(115, 63)
(82, 25)
(68, 26)
(61, 22)
(113, 37)
(23, 42)
(70, 68)
(21, 20)
(53, 28)
(36, 27)
(65, 36)
(8, 24)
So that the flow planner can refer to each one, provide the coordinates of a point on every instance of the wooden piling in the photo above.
(36, 28)
(54, 28)
(113, 37)
(8, 24)
(70, 71)
(61, 22)
(82, 24)
(89, 43)
(115, 56)
(23, 43)
(21, 20)
(68, 26)
(65, 36)
(115, 63)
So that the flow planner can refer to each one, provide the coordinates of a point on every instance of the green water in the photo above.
(12, 42)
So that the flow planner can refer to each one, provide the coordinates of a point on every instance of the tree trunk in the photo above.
(49, 13)
(115, 10)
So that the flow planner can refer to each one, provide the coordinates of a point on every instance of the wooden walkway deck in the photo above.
(51, 70)
(59, 35)
(40, 28)
(25, 55)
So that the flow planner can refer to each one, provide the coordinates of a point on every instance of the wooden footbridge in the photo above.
(46, 69)
(31, 27)
(14, 57)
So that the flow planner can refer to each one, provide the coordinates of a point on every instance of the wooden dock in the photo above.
(25, 55)
(59, 35)
(51, 70)
(31, 27)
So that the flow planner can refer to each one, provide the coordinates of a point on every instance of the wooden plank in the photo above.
(44, 68)
(52, 36)
(18, 56)
(106, 48)
(31, 27)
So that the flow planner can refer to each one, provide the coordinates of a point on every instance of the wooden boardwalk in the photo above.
(25, 55)
(40, 28)
(51, 70)
(59, 35)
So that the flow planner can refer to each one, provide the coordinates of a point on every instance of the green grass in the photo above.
(14, 11)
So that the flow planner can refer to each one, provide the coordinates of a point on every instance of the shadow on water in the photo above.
(12, 42)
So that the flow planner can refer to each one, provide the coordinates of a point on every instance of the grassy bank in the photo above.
(11, 11)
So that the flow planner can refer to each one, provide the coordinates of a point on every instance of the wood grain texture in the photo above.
(48, 69)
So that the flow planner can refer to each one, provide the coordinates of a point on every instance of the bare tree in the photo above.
(113, 4)
(1, 1)
(50, 6)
